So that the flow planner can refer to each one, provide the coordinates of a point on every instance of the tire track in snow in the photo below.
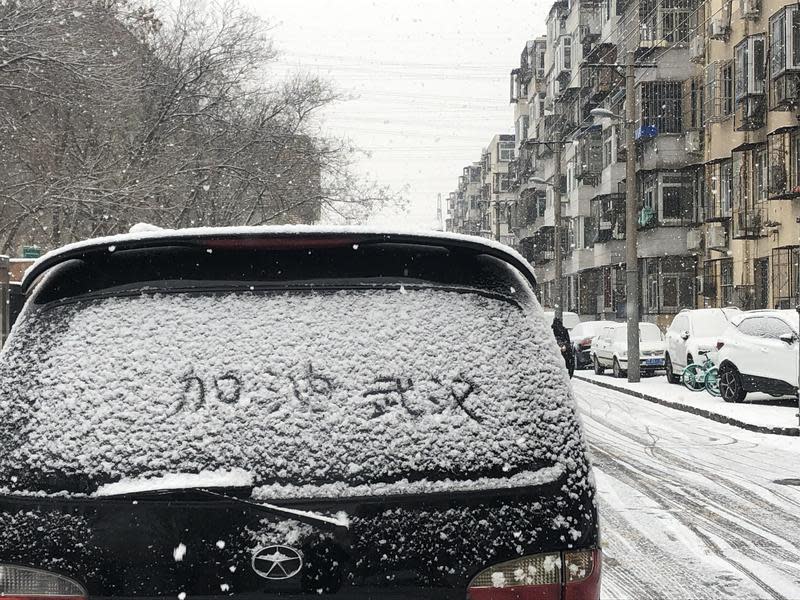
(757, 540)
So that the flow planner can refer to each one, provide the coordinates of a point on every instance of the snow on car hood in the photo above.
(361, 387)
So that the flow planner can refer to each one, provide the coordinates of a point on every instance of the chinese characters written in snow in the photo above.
(423, 395)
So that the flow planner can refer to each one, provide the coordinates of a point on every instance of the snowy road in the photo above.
(690, 507)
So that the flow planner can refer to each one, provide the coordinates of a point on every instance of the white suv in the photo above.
(691, 332)
(758, 352)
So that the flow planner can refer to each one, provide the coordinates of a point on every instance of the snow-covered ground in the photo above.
(691, 508)
(759, 410)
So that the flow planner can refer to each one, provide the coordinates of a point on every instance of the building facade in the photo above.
(717, 154)
(484, 199)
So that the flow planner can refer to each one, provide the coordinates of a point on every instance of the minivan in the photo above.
(289, 413)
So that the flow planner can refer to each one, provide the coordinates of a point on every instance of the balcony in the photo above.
(785, 91)
(749, 223)
(608, 214)
(751, 113)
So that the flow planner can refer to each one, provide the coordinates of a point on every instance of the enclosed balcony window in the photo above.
(750, 67)
(667, 199)
(784, 47)
(608, 218)
(719, 183)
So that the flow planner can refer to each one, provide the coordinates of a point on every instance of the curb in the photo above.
(701, 412)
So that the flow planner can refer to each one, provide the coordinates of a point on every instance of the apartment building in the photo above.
(483, 202)
(717, 152)
(591, 174)
(750, 50)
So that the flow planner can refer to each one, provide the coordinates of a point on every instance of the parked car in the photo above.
(582, 336)
(610, 349)
(758, 352)
(692, 332)
(289, 412)
(570, 319)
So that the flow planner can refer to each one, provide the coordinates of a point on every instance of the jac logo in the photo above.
(277, 562)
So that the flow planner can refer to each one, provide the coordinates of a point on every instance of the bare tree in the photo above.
(112, 113)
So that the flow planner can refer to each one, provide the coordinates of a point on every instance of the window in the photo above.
(726, 89)
(785, 275)
(710, 96)
(506, 151)
(674, 21)
(695, 98)
(750, 67)
(726, 188)
(760, 174)
(784, 44)
(566, 45)
(794, 164)
(726, 281)
(761, 276)
(607, 146)
(668, 284)
(502, 182)
(667, 197)
(777, 45)
(662, 107)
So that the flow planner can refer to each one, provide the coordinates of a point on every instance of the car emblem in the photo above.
(277, 562)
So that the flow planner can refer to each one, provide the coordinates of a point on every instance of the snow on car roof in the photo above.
(147, 234)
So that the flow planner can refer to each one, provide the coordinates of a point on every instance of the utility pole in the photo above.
(557, 233)
(631, 204)
(631, 223)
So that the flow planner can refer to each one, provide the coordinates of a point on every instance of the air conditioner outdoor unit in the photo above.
(717, 29)
(694, 142)
(697, 49)
(715, 236)
(694, 239)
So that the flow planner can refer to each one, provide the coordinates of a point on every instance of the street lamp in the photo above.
(604, 113)
(631, 222)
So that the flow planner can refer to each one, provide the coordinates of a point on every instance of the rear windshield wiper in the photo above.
(312, 518)
(339, 522)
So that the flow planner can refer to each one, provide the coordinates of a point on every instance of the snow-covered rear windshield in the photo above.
(297, 388)
(648, 332)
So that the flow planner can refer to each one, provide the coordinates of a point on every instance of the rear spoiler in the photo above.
(282, 237)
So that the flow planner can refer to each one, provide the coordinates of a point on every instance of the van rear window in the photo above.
(382, 387)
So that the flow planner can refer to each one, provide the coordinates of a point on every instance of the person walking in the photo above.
(565, 344)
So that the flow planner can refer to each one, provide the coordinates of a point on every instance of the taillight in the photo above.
(541, 577)
(582, 575)
(23, 583)
(720, 344)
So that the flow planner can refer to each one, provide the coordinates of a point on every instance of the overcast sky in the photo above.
(430, 80)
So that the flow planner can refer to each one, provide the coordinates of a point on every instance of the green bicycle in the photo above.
(698, 377)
